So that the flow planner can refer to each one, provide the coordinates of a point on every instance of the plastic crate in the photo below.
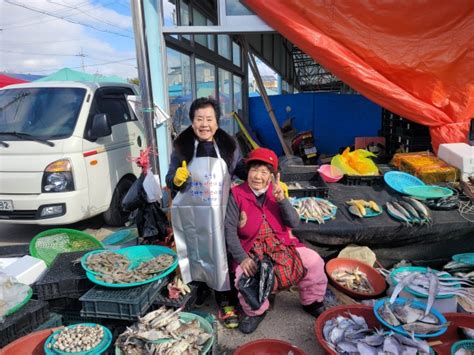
(184, 300)
(65, 304)
(23, 322)
(124, 303)
(12, 251)
(64, 278)
(54, 320)
(361, 180)
(313, 185)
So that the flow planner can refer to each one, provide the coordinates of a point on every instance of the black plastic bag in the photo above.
(135, 197)
(257, 288)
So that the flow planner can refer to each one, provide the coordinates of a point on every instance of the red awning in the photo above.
(8, 80)
(414, 58)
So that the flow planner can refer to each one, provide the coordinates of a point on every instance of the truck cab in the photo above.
(65, 150)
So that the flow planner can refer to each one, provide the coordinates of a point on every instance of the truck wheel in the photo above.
(115, 216)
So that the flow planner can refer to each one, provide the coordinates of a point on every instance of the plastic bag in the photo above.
(257, 288)
(357, 162)
(152, 187)
(135, 196)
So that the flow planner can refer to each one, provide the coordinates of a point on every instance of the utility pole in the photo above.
(82, 55)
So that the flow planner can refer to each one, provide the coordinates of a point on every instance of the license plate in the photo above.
(6, 205)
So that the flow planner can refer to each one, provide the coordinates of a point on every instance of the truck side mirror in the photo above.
(100, 126)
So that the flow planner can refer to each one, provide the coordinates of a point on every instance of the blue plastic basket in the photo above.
(399, 180)
(422, 270)
(414, 304)
(428, 191)
(466, 344)
(99, 349)
(137, 255)
(466, 258)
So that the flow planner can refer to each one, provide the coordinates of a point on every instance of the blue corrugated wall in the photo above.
(335, 119)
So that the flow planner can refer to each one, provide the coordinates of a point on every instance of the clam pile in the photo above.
(77, 339)
(115, 268)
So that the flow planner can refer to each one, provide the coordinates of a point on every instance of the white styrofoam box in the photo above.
(460, 155)
(26, 269)
(4, 262)
(442, 305)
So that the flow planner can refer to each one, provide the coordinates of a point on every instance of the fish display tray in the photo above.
(185, 301)
(126, 303)
(64, 278)
(23, 322)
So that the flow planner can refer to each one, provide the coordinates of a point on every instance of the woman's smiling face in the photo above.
(259, 177)
(205, 123)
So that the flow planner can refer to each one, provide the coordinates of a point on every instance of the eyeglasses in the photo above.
(263, 172)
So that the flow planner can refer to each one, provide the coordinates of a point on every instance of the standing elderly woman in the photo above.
(203, 161)
(258, 222)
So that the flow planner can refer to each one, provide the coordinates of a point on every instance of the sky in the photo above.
(42, 36)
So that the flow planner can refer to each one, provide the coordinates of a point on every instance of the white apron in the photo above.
(197, 216)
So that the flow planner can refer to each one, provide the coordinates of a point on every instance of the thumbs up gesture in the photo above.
(278, 191)
(181, 175)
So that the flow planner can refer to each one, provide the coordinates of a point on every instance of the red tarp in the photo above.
(414, 58)
(8, 80)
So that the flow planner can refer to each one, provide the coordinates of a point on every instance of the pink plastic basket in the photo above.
(330, 173)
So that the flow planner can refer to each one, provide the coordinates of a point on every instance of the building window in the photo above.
(205, 79)
(200, 20)
(223, 46)
(225, 100)
(179, 88)
(184, 15)
(236, 54)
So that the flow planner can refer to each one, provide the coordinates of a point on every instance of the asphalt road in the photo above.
(23, 233)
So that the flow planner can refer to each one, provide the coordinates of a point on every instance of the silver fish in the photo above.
(432, 291)
(392, 346)
(396, 212)
(467, 332)
(463, 351)
(421, 345)
(423, 328)
(387, 315)
(366, 349)
(347, 347)
(402, 210)
(419, 206)
(407, 314)
(406, 281)
(410, 209)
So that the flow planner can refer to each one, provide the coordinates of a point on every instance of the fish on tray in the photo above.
(314, 209)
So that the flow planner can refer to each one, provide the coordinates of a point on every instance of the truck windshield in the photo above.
(46, 113)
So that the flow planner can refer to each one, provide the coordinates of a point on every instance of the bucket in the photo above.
(29, 344)
(268, 347)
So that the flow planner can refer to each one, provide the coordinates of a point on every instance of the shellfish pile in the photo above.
(77, 339)
(163, 332)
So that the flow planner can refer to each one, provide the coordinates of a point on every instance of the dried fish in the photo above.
(395, 212)
(315, 209)
(468, 333)
(354, 279)
(163, 332)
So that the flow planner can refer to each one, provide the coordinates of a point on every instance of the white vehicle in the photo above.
(65, 151)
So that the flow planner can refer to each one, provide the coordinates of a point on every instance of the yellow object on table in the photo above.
(426, 166)
(357, 162)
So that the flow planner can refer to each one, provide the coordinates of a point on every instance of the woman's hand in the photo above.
(249, 267)
(278, 192)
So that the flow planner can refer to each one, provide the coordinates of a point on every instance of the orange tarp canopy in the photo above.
(414, 58)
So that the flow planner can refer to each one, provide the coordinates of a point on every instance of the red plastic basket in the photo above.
(268, 347)
(376, 280)
(451, 335)
(356, 309)
(29, 344)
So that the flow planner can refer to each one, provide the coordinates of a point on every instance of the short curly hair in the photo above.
(204, 102)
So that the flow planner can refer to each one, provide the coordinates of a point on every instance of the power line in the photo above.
(66, 19)
(47, 54)
(87, 14)
(90, 65)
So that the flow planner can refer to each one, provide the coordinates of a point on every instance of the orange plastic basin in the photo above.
(268, 347)
(29, 344)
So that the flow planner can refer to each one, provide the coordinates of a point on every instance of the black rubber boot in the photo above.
(315, 308)
(249, 324)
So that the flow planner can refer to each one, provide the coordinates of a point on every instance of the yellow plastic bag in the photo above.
(357, 162)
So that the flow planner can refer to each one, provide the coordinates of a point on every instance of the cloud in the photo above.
(37, 43)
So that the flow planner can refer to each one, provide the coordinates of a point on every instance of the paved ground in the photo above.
(286, 321)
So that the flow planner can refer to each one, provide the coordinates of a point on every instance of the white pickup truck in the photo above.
(65, 151)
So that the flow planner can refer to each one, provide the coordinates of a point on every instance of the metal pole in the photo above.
(144, 78)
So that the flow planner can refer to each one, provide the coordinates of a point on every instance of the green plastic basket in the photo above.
(48, 244)
(466, 344)
(428, 191)
(21, 304)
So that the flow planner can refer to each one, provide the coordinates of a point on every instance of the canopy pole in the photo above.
(263, 93)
